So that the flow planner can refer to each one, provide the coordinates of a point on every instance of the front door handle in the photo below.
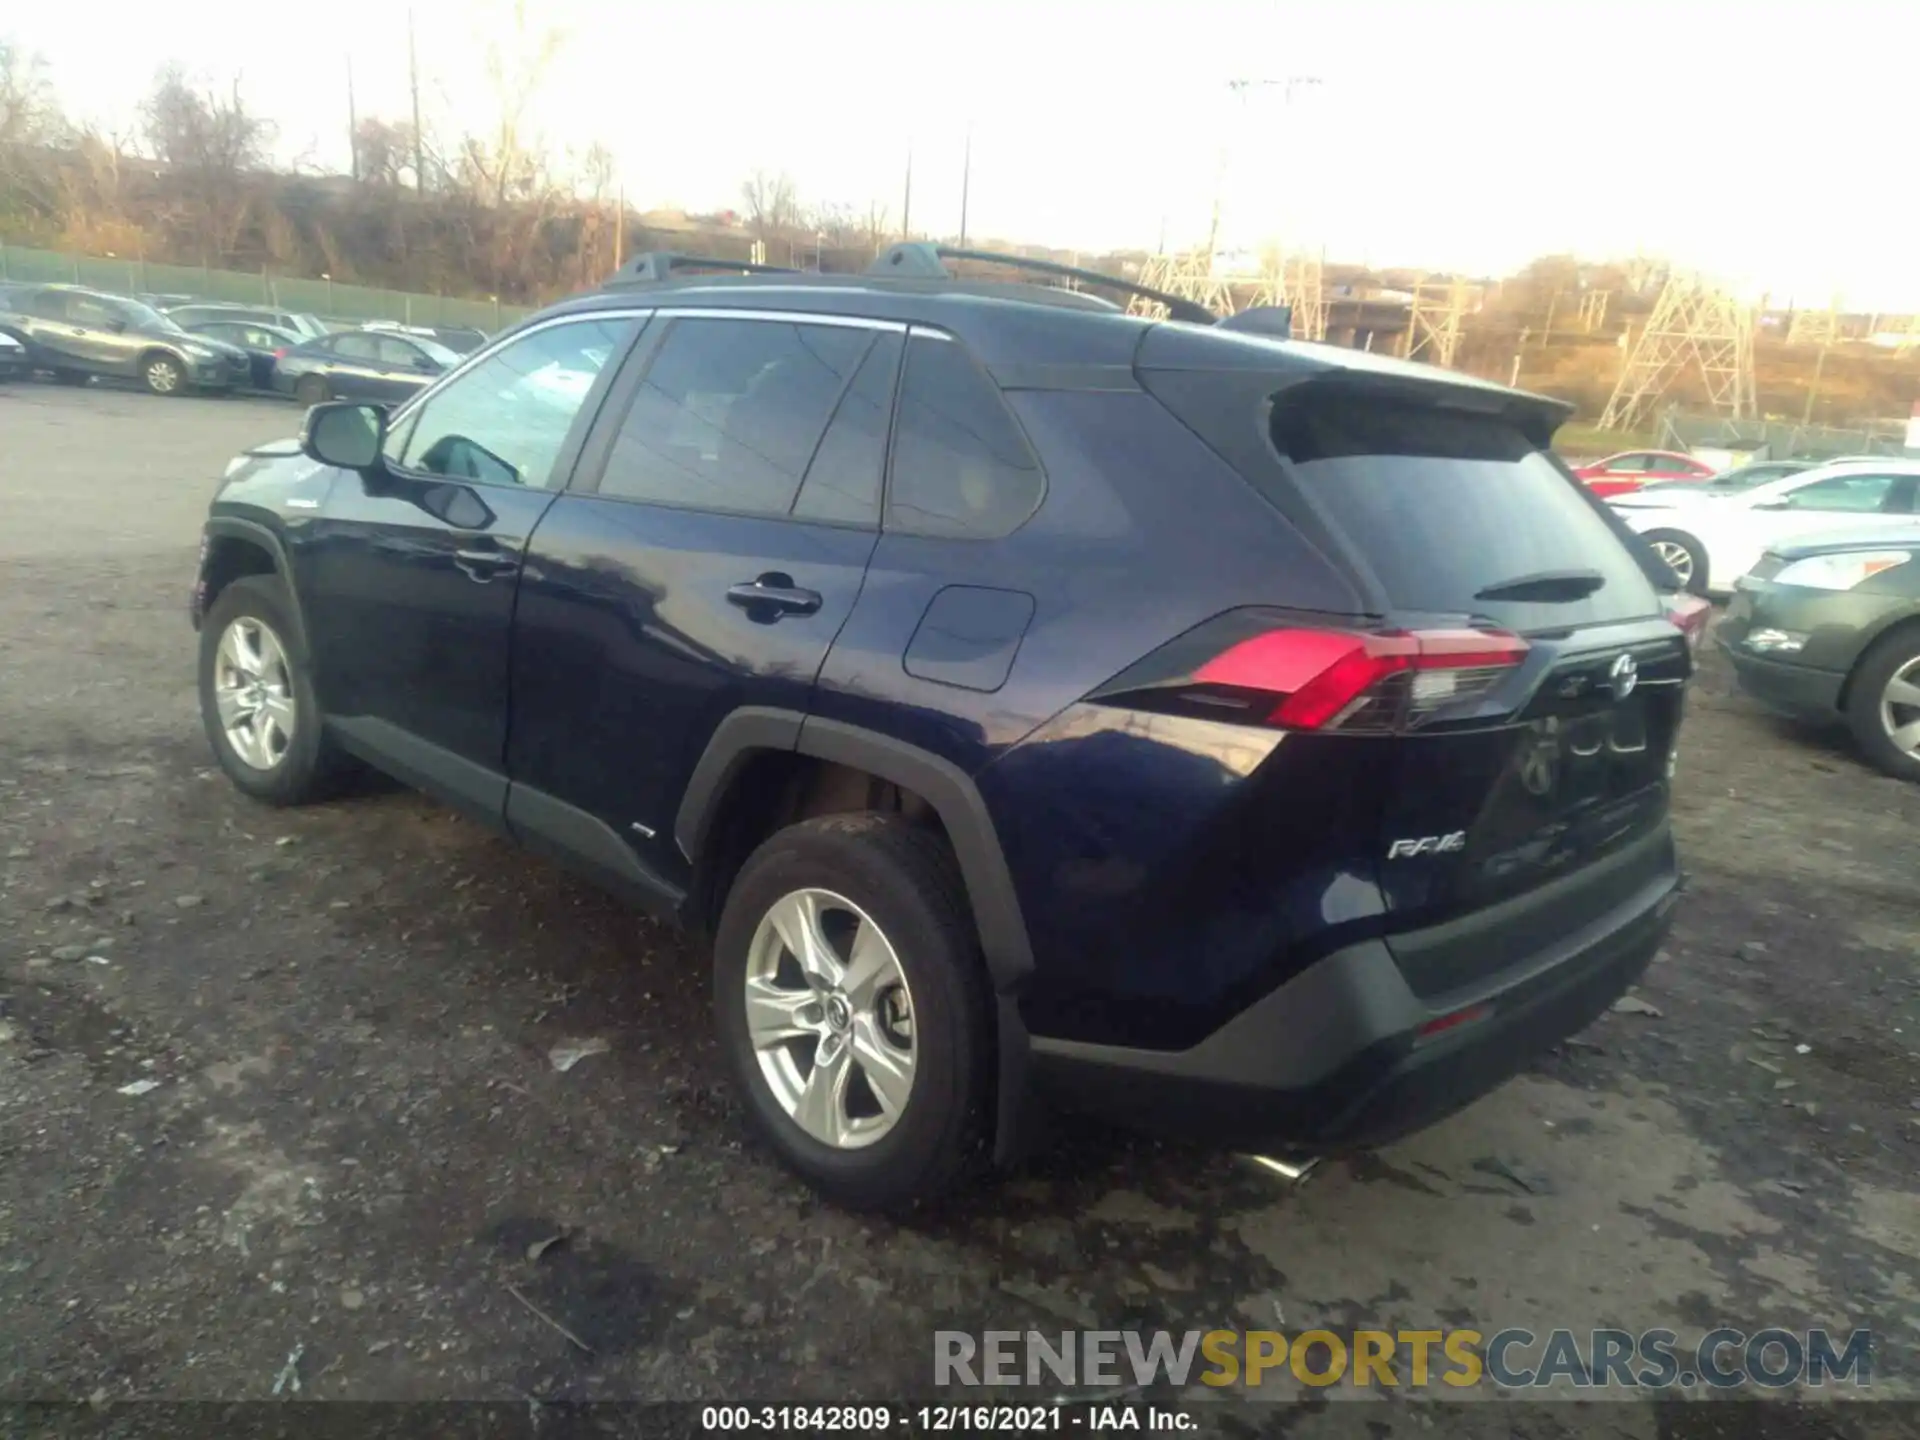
(482, 566)
(774, 595)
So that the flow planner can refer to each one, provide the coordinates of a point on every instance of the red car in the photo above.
(1621, 474)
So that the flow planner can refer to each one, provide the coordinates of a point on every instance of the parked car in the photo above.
(461, 339)
(264, 344)
(1829, 629)
(306, 326)
(1709, 542)
(1624, 473)
(1723, 482)
(78, 333)
(361, 365)
(13, 358)
(866, 629)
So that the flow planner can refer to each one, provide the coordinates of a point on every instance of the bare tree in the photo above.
(877, 226)
(212, 145)
(772, 204)
(32, 129)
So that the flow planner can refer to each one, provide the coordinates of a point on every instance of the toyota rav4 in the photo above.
(1037, 706)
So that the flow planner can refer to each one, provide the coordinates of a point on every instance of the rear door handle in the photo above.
(482, 566)
(774, 594)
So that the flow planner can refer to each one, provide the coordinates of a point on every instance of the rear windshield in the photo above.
(1443, 506)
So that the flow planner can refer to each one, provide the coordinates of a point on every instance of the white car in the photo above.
(1711, 541)
(13, 357)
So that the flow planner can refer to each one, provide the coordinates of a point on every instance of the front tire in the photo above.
(163, 375)
(852, 1006)
(257, 700)
(1883, 705)
(1684, 555)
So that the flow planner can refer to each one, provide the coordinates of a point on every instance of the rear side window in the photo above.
(1443, 506)
(731, 413)
(961, 466)
(843, 483)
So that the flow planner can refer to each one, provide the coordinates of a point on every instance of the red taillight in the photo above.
(1335, 679)
(280, 354)
(1690, 613)
(1440, 1024)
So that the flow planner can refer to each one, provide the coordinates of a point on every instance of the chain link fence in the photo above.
(322, 297)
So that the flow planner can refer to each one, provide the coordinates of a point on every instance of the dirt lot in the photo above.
(357, 1133)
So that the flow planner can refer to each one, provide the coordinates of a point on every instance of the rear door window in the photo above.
(732, 412)
(1441, 506)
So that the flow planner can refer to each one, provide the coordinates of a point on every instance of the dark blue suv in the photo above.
(1255, 740)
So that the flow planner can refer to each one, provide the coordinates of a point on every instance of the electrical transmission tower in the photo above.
(1695, 325)
(1593, 309)
(1196, 274)
(1815, 327)
(1434, 320)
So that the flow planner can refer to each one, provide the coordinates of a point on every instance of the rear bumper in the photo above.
(1334, 1059)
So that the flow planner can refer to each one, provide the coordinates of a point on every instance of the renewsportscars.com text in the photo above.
(1515, 1358)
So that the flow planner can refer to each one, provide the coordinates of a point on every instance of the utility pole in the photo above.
(620, 228)
(419, 141)
(906, 203)
(353, 127)
(966, 177)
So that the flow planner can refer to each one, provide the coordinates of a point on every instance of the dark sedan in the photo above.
(361, 365)
(264, 344)
(1829, 629)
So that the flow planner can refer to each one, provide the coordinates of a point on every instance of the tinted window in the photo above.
(398, 353)
(960, 465)
(731, 412)
(506, 420)
(1628, 465)
(91, 310)
(1441, 506)
(843, 483)
(48, 304)
(356, 347)
(1867, 493)
(1671, 465)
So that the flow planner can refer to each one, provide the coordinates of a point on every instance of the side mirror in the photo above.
(118, 327)
(343, 434)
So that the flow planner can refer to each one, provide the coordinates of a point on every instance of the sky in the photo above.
(1772, 145)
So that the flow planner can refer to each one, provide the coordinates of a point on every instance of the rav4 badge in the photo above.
(1427, 845)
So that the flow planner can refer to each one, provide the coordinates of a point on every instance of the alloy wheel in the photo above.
(1678, 559)
(163, 377)
(830, 1018)
(1900, 708)
(253, 693)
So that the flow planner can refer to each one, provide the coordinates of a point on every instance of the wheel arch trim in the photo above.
(944, 785)
(232, 527)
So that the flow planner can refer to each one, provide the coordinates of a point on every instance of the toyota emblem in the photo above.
(1622, 678)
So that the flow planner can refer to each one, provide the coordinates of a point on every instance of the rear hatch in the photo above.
(1525, 687)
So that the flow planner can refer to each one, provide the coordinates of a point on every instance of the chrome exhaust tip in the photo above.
(1294, 1169)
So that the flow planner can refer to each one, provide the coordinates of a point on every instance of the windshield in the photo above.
(147, 318)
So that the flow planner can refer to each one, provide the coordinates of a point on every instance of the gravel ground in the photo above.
(355, 1133)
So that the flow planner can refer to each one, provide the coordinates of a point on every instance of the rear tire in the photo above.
(1684, 555)
(1883, 705)
(918, 1139)
(285, 758)
(312, 390)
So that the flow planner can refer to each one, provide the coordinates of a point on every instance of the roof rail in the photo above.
(665, 264)
(918, 260)
(1276, 320)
